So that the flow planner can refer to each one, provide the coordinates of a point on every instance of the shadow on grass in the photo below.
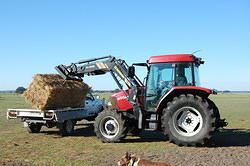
(86, 131)
(230, 137)
(224, 138)
(147, 136)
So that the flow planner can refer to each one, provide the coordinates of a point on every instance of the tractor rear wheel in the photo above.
(110, 126)
(188, 120)
(216, 113)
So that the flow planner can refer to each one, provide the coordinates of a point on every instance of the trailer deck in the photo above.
(58, 115)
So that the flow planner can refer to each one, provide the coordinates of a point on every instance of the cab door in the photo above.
(160, 80)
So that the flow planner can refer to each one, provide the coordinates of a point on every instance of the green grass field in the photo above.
(47, 148)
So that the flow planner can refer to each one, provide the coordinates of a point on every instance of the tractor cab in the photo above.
(168, 71)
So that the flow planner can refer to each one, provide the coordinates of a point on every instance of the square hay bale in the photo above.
(51, 91)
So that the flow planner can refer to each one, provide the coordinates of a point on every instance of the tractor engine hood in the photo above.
(120, 100)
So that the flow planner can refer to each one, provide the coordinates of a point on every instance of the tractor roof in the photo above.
(172, 58)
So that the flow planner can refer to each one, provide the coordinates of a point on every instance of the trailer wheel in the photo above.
(34, 127)
(110, 126)
(188, 120)
(66, 128)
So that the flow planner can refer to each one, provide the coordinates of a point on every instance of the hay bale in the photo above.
(51, 91)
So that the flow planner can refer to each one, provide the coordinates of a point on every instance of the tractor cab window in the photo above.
(184, 74)
(164, 76)
(196, 76)
(160, 80)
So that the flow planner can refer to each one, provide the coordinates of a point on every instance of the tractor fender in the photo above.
(178, 90)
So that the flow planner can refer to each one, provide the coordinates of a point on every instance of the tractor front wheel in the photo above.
(188, 120)
(110, 126)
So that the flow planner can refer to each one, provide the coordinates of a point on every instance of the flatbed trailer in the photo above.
(64, 119)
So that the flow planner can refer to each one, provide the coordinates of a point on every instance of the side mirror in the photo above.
(131, 71)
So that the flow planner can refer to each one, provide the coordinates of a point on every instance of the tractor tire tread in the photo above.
(122, 125)
(181, 100)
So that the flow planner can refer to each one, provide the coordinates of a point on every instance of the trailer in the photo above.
(64, 119)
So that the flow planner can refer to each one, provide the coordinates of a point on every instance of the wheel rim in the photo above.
(69, 126)
(109, 127)
(187, 121)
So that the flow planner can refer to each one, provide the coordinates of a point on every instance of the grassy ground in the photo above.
(47, 148)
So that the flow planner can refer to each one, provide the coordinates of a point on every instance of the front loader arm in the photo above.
(77, 70)
(98, 66)
(118, 68)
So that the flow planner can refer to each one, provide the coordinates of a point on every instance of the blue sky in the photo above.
(37, 35)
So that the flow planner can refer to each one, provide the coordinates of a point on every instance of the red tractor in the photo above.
(171, 100)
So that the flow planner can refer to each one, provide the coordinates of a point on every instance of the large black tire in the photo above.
(110, 126)
(215, 109)
(188, 120)
(34, 128)
(66, 128)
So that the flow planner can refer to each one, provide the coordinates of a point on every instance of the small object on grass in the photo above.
(16, 144)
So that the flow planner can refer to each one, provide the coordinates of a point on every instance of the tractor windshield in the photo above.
(163, 76)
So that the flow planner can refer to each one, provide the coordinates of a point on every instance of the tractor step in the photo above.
(152, 123)
(155, 129)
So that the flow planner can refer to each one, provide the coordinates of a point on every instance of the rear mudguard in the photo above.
(178, 90)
